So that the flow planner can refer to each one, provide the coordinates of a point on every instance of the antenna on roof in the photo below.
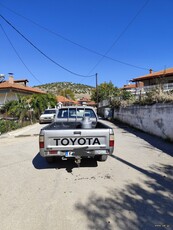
(2, 77)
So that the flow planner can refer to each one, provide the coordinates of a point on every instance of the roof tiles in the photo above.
(19, 87)
(162, 73)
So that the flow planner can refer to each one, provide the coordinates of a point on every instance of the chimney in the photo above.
(151, 71)
(10, 78)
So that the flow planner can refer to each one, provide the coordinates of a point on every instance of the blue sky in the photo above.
(134, 35)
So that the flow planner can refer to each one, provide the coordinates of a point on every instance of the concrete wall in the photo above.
(156, 119)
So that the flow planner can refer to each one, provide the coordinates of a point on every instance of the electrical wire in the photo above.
(45, 55)
(74, 43)
(118, 38)
(19, 55)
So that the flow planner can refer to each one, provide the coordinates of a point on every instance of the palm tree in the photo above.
(39, 102)
(26, 105)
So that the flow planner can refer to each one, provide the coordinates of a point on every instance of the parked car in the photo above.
(48, 116)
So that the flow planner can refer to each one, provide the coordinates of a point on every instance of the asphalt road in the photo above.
(131, 190)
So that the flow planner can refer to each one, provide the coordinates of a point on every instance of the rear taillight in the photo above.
(111, 141)
(41, 141)
(52, 152)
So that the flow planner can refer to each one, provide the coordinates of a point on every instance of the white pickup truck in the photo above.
(76, 133)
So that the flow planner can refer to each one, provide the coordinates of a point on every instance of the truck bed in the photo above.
(72, 125)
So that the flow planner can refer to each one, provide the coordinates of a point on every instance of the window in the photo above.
(90, 113)
(76, 113)
(63, 113)
(51, 111)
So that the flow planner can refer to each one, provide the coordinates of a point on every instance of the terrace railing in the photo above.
(142, 90)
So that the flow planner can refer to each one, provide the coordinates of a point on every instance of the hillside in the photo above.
(80, 90)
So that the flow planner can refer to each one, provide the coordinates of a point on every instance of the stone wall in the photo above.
(156, 119)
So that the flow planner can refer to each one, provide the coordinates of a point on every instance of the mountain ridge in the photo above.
(80, 90)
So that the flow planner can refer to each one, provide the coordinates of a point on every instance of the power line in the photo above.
(74, 43)
(46, 56)
(121, 34)
(19, 55)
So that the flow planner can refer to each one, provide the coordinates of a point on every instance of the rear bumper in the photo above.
(82, 152)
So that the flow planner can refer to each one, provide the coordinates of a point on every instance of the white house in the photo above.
(9, 90)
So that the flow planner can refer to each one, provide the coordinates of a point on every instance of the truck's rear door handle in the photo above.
(77, 132)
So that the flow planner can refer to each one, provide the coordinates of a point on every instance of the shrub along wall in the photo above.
(7, 125)
(156, 119)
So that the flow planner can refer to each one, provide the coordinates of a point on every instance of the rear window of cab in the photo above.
(76, 113)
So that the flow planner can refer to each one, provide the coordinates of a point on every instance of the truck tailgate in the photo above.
(78, 138)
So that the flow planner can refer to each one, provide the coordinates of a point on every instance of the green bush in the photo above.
(6, 126)
(156, 96)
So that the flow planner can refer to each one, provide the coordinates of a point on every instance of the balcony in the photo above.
(142, 90)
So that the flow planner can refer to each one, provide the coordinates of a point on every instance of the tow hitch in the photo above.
(78, 161)
(78, 153)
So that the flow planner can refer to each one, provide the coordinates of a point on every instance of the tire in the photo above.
(102, 157)
(50, 160)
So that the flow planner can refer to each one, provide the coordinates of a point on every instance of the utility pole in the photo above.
(97, 104)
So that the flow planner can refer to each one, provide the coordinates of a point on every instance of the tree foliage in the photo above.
(29, 107)
(156, 95)
(38, 103)
(6, 126)
(104, 91)
(68, 93)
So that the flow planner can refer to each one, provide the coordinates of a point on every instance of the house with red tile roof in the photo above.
(65, 101)
(86, 101)
(163, 77)
(9, 90)
(132, 88)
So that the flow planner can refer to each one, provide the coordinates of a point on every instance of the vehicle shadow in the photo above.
(157, 142)
(40, 163)
(147, 205)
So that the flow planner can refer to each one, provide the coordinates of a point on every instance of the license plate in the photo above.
(68, 154)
